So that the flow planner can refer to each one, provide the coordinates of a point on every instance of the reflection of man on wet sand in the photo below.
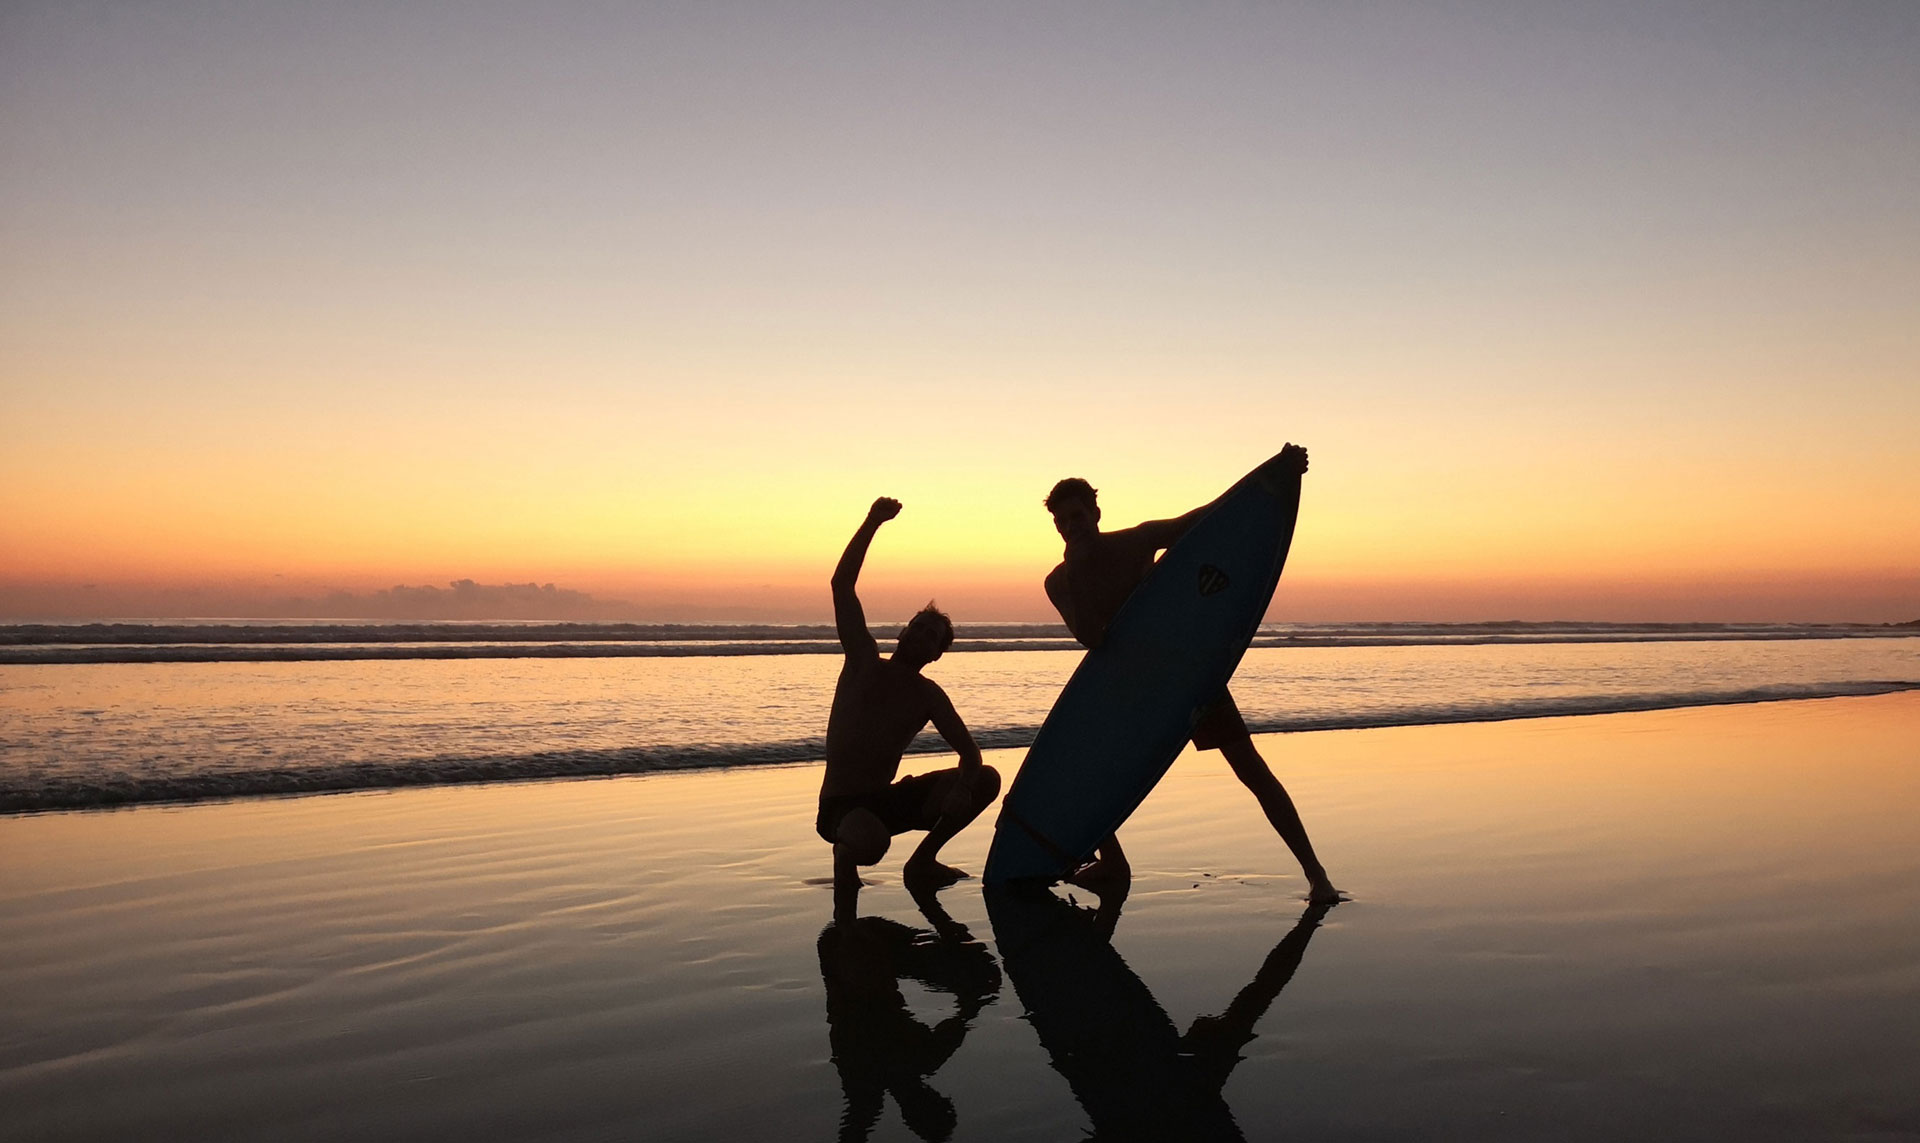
(878, 706)
(1097, 574)
(878, 1045)
(1129, 1067)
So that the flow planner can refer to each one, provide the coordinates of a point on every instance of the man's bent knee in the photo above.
(986, 787)
(980, 789)
(863, 837)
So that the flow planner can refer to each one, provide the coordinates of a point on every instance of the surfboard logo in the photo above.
(1213, 581)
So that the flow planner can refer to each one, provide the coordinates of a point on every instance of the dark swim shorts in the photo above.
(900, 807)
(1219, 724)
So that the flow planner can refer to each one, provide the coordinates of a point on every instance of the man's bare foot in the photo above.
(1323, 893)
(931, 874)
(1102, 874)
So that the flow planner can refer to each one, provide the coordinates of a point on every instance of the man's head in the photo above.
(926, 636)
(1076, 509)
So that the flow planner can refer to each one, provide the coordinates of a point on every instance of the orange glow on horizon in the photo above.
(1378, 542)
(627, 359)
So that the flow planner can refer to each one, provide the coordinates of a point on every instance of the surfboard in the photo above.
(1131, 705)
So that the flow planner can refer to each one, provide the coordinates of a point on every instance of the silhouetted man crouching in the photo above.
(879, 705)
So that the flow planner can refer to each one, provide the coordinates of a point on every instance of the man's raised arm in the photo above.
(849, 618)
(1289, 463)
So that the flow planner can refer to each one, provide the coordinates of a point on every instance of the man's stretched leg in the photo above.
(1257, 776)
(950, 807)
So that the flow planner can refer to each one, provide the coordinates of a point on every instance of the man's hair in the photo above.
(1072, 488)
(946, 623)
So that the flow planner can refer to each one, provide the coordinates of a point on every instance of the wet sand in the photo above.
(1699, 924)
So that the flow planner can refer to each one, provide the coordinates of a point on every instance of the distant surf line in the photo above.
(56, 794)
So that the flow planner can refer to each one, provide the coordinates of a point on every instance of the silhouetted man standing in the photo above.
(1099, 571)
(878, 706)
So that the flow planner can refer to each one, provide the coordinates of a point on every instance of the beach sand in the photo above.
(1694, 924)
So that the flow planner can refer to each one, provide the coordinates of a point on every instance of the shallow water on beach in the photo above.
(89, 734)
(1685, 924)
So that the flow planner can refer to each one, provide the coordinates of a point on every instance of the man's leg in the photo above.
(950, 807)
(861, 838)
(1256, 775)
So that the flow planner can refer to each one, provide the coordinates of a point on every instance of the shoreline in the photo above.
(570, 765)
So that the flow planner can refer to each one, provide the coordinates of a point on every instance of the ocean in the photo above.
(101, 715)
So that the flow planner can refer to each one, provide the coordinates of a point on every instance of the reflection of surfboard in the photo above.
(1131, 705)
(1100, 1026)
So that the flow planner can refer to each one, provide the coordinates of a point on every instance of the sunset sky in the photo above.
(1599, 311)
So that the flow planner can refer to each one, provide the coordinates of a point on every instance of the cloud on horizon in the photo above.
(459, 599)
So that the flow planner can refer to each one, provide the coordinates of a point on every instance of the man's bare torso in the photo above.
(878, 707)
(1095, 579)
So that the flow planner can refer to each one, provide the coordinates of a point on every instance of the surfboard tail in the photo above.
(1022, 852)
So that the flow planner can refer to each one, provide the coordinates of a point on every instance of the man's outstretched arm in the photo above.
(1289, 463)
(849, 618)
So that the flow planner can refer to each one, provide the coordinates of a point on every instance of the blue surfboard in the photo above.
(1131, 705)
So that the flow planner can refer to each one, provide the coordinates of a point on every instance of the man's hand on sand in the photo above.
(884, 509)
